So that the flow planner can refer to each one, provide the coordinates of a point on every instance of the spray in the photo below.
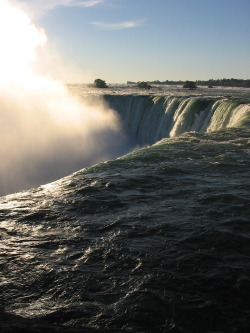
(45, 132)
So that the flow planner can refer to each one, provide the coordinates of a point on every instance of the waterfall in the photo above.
(148, 119)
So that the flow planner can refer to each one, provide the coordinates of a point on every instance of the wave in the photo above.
(155, 241)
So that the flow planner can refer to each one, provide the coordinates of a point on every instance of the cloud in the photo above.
(91, 3)
(69, 3)
(118, 26)
(39, 7)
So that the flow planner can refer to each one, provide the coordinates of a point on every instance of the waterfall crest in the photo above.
(149, 119)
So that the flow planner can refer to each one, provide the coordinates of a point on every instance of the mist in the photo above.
(45, 132)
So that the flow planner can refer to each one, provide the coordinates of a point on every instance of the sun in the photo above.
(19, 39)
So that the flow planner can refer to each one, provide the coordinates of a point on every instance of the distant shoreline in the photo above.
(210, 83)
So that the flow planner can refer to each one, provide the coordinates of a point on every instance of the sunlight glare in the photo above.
(19, 40)
(46, 132)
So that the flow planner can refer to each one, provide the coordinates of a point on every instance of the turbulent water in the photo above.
(154, 241)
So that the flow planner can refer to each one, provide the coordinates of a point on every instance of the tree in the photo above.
(190, 85)
(143, 85)
(98, 83)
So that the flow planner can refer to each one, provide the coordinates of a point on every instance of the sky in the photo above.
(142, 40)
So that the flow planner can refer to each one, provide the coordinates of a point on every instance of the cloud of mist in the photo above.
(45, 132)
(49, 62)
(46, 60)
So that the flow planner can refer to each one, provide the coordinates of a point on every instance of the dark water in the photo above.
(156, 241)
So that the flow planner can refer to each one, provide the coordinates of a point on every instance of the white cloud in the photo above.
(90, 3)
(118, 26)
(69, 3)
(39, 7)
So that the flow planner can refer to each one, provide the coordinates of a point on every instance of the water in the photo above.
(154, 241)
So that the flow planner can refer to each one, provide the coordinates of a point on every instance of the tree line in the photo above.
(210, 83)
(98, 83)
(225, 83)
